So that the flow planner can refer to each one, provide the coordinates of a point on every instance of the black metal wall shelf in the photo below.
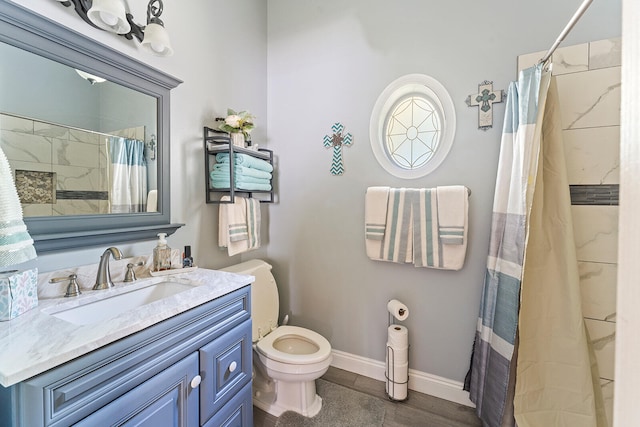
(217, 141)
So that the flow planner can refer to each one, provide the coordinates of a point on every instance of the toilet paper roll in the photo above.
(397, 355)
(397, 336)
(398, 309)
(397, 381)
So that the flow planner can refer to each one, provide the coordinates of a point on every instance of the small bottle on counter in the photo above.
(162, 254)
(187, 259)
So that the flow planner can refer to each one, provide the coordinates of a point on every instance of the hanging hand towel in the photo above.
(375, 218)
(253, 223)
(397, 244)
(426, 244)
(453, 206)
(232, 226)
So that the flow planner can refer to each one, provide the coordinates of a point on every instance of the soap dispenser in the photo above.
(162, 254)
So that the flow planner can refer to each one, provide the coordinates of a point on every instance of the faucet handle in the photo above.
(130, 276)
(73, 290)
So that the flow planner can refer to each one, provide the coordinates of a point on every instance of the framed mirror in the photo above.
(71, 109)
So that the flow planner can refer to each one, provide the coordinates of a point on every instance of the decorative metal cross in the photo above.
(484, 99)
(337, 140)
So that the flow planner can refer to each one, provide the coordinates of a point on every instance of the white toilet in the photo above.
(289, 358)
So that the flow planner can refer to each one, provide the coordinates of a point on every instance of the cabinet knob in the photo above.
(233, 366)
(195, 382)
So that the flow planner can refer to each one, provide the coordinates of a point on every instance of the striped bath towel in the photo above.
(397, 245)
(452, 214)
(239, 225)
(440, 222)
(426, 242)
(375, 218)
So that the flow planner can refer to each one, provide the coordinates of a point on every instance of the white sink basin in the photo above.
(109, 307)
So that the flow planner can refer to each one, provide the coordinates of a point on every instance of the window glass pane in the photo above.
(412, 132)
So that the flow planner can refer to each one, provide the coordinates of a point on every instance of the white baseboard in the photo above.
(418, 381)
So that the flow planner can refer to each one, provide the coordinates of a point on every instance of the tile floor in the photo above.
(417, 411)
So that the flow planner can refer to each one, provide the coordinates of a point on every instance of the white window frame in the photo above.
(420, 85)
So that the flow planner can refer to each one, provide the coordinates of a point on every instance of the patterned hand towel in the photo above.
(253, 223)
(375, 218)
(232, 225)
(426, 244)
(397, 245)
(453, 224)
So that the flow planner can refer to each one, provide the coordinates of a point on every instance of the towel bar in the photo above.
(468, 191)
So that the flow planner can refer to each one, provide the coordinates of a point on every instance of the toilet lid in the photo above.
(267, 348)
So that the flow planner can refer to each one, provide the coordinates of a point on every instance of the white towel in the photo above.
(253, 223)
(427, 247)
(453, 224)
(232, 225)
(375, 218)
(397, 245)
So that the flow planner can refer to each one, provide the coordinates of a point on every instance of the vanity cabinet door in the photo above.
(165, 400)
(238, 412)
(225, 366)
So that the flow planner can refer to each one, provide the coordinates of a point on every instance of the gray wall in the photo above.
(316, 63)
(328, 61)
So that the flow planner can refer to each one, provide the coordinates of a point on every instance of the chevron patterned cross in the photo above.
(337, 140)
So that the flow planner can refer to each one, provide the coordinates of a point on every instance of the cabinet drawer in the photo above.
(225, 367)
(237, 413)
(167, 399)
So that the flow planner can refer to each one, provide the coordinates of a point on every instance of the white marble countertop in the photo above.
(36, 341)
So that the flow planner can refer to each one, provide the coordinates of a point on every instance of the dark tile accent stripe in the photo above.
(82, 195)
(605, 194)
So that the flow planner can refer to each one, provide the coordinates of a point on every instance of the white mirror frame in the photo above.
(430, 88)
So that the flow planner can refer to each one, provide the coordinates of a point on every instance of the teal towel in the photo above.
(221, 176)
(249, 186)
(241, 171)
(246, 161)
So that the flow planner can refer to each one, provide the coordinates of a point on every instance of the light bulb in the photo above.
(108, 18)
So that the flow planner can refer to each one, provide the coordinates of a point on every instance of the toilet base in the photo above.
(280, 396)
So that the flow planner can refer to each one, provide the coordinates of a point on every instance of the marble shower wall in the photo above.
(588, 77)
(58, 170)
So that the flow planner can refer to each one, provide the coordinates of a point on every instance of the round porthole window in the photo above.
(412, 126)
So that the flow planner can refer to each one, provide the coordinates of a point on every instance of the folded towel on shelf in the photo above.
(453, 224)
(375, 218)
(239, 225)
(240, 184)
(397, 244)
(245, 160)
(221, 176)
(241, 170)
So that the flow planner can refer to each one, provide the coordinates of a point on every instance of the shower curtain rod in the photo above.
(575, 18)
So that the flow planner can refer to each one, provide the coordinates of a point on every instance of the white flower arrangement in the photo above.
(237, 122)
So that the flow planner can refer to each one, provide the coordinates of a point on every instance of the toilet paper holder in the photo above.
(390, 372)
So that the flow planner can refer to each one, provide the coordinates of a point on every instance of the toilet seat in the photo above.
(266, 346)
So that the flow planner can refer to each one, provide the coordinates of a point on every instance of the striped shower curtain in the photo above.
(530, 310)
(128, 181)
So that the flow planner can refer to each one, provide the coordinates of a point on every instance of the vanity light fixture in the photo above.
(90, 77)
(111, 15)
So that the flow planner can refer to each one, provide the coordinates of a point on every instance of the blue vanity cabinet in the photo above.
(192, 369)
(165, 400)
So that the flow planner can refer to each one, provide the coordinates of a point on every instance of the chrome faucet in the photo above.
(103, 278)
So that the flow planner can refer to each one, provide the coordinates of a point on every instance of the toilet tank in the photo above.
(265, 303)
